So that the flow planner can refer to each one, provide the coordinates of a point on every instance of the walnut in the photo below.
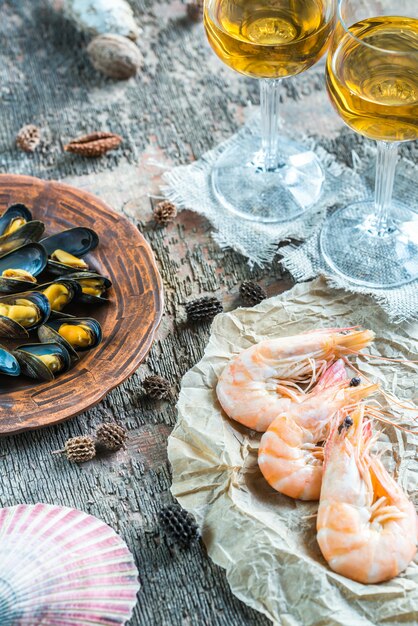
(115, 56)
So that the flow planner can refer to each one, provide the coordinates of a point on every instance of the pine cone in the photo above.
(80, 449)
(157, 387)
(252, 293)
(194, 10)
(111, 437)
(164, 212)
(203, 309)
(179, 524)
(28, 138)
(94, 145)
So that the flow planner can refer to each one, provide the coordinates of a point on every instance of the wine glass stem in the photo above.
(387, 156)
(269, 101)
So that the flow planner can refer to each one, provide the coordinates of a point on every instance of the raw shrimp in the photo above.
(263, 381)
(367, 526)
(289, 456)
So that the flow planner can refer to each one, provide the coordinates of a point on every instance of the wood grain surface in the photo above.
(129, 319)
(181, 104)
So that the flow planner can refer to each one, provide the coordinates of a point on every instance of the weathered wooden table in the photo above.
(183, 103)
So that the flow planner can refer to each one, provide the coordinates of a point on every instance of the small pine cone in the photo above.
(194, 10)
(252, 293)
(111, 437)
(157, 387)
(203, 309)
(164, 212)
(179, 524)
(28, 138)
(94, 144)
(80, 449)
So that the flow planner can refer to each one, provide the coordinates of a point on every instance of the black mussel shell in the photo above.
(10, 328)
(14, 210)
(54, 325)
(8, 363)
(72, 286)
(87, 298)
(76, 241)
(31, 257)
(32, 366)
(32, 231)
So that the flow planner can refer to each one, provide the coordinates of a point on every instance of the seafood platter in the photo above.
(80, 301)
(318, 434)
(297, 432)
(42, 280)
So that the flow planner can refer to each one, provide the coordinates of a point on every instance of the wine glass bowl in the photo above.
(372, 81)
(268, 178)
(266, 39)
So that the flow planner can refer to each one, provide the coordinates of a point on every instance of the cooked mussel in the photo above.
(93, 287)
(43, 361)
(8, 363)
(18, 269)
(13, 218)
(76, 334)
(60, 293)
(32, 231)
(65, 249)
(23, 312)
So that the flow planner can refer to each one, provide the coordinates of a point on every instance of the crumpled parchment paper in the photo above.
(266, 541)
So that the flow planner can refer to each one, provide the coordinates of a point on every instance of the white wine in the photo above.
(372, 77)
(265, 39)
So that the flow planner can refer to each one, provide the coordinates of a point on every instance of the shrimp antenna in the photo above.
(382, 358)
(388, 396)
(384, 416)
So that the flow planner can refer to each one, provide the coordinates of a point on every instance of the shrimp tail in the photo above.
(354, 342)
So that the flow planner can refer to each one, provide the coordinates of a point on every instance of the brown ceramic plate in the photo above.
(129, 320)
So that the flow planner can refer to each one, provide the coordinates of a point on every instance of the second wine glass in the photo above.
(269, 178)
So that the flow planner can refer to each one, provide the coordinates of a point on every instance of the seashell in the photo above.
(32, 231)
(22, 312)
(30, 258)
(9, 365)
(96, 17)
(75, 333)
(74, 241)
(43, 361)
(93, 287)
(115, 56)
(61, 566)
(14, 212)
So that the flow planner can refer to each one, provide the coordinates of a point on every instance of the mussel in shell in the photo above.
(93, 287)
(76, 334)
(18, 269)
(65, 258)
(60, 293)
(43, 361)
(66, 248)
(13, 218)
(9, 365)
(23, 312)
(32, 231)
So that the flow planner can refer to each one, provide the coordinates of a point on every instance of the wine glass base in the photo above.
(244, 187)
(353, 248)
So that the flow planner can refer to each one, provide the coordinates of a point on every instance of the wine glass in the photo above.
(273, 179)
(372, 80)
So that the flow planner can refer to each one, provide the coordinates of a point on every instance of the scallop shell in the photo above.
(62, 567)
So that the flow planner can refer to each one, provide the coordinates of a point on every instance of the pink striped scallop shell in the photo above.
(62, 567)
